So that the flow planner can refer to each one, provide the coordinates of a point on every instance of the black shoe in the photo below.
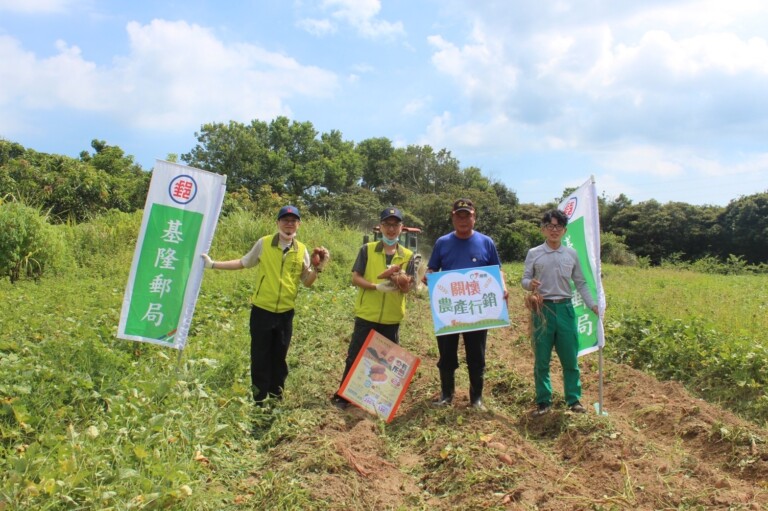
(577, 408)
(339, 402)
(445, 400)
(541, 409)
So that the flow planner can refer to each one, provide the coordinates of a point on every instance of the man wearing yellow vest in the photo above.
(281, 263)
(380, 305)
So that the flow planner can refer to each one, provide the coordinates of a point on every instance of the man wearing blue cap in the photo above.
(282, 262)
(380, 305)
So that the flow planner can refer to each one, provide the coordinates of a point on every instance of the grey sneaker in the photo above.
(577, 408)
(478, 405)
(541, 409)
(444, 400)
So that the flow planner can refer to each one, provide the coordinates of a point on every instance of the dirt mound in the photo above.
(656, 446)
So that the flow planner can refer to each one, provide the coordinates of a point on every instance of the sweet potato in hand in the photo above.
(402, 280)
(389, 271)
(320, 257)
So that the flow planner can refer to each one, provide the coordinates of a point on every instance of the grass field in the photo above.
(88, 421)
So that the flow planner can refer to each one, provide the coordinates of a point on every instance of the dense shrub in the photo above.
(613, 250)
(106, 243)
(734, 265)
(29, 245)
(517, 238)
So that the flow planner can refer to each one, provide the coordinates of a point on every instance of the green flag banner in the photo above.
(180, 216)
(584, 236)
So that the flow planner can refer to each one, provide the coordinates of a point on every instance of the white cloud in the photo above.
(491, 135)
(416, 105)
(752, 167)
(361, 15)
(642, 79)
(480, 67)
(64, 79)
(698, 15)
(661, 173)
(316, 27)
(642, 159)
(38, 6)
(175, 77)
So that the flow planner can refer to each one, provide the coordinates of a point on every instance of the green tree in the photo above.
(238, 151)
(745, 227)
(613, 250)
(659, 231)
(609, 208)
(356, 207)
(342, 166)
(378, 168)
(530, 212)
(421, 170)
(74, 189)
(10, 151)
(110, 159)
(295, 152)
(514, 240)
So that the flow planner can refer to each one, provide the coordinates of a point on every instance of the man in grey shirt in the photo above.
(549, 270)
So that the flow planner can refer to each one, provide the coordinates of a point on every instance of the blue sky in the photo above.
(659, 99)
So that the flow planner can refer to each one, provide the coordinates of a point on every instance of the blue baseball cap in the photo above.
(391, 211)
(288, 210)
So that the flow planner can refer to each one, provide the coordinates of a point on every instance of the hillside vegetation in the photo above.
(88, 421)
(270, 164)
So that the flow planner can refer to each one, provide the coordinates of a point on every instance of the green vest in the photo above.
(278, 275)
(375, 306)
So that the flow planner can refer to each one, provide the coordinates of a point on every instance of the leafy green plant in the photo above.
(731, 370)
(105, 244)
(28, 244)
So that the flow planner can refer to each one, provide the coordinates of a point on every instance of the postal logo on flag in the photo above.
(570, 207)
(180, 216)
(182, 189)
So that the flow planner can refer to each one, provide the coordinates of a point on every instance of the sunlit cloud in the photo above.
(361, 15)
(166, 79)
(38, 6)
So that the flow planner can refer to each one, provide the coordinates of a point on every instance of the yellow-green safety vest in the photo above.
(278, 274)
(371, 305)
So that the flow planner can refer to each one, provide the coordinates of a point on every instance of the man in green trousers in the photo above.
(549, 270)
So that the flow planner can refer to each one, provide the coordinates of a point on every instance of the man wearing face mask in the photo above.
(282, 262)
(380, 305)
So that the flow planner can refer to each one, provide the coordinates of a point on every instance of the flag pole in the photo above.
(600, 381)
(178, 362)
(598, 276)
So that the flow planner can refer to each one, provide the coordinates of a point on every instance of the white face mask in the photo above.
(388, 241)
(286, 236)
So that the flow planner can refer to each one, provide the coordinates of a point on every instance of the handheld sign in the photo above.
(379, 376)
(466, 300)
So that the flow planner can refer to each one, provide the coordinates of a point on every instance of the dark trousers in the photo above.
(360, 333)
(474, 347)
(270, 337)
